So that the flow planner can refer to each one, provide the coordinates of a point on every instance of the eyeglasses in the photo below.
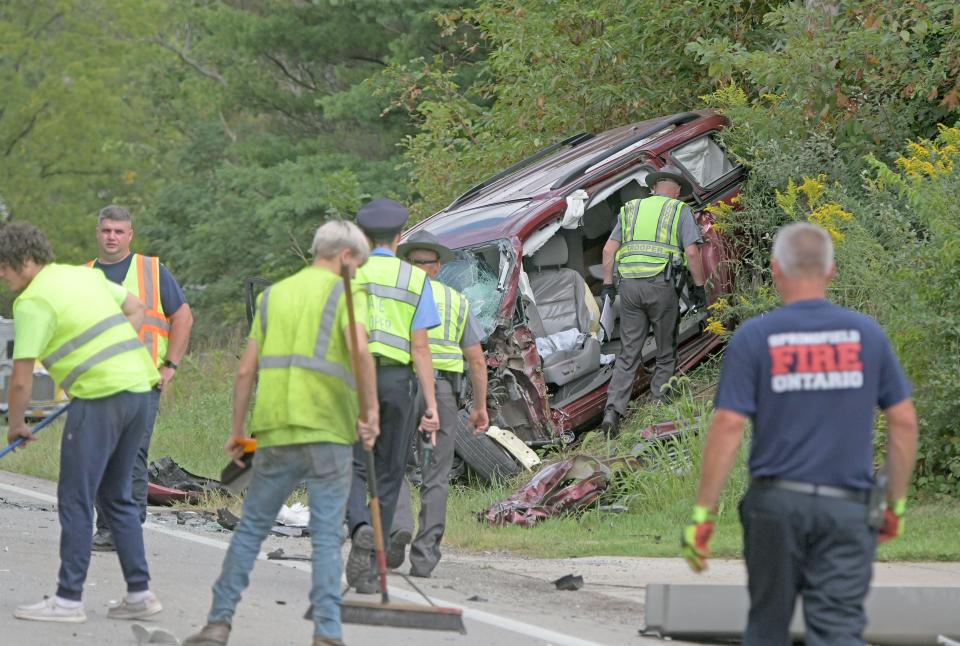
(424, 262)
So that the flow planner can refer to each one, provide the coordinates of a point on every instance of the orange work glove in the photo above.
(695, 538)
(893, 522)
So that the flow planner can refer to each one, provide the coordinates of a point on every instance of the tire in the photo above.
(485, 457)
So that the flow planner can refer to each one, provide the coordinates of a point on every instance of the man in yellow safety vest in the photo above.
(165, 331)
(650, 237)
(83, 329)
(399, 313)
(455, 340)
(305, 421)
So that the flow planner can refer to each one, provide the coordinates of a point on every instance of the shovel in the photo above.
(385, 613)
(46, 421)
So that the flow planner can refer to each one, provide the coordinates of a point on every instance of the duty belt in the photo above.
(826, 491)
(387, 361)
(446, 375)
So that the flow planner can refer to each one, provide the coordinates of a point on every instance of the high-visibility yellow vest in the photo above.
(143, 279)
(394, 288)
(94, 351)
(445, 338)
(649, 239)
(306, 391)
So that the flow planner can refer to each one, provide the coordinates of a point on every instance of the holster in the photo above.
(676, 274)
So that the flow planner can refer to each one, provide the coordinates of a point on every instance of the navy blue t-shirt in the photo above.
(171, 296)
(811, 375)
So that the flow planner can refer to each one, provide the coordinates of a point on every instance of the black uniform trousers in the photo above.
(818, 547)
(396, 391)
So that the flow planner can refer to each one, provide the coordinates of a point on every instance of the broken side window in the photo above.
(471, 275)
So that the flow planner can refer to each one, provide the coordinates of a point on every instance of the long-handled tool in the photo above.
(386, 613)
(46, 420)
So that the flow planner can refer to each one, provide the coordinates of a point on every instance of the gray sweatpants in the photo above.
(425, 549)
(644, 302)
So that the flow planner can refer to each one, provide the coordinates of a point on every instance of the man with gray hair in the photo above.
(305, 421)
(810, 376)
(165, 332)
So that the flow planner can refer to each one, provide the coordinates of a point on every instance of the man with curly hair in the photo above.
(83, 329)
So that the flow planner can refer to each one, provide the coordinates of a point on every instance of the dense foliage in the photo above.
(233, 127)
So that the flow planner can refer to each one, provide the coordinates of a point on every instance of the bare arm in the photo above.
(479, 417)
(901, 447)
(181, 323)
(695, 263)
(719, 452)
(609, 255)
(18, 396)
(423, 362)
(134, 310)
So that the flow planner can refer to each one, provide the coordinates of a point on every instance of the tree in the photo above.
(72, 135)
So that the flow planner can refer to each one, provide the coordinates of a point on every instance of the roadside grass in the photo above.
(192, 426)
(194, 422)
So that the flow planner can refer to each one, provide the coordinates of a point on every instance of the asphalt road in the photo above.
(506, 599)
(507, 609)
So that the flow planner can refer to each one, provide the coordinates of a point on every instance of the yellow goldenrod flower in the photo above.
(714, 326)
(718, 305)
(813, 189)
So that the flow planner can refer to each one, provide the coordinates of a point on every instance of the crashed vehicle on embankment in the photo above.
(528, 245)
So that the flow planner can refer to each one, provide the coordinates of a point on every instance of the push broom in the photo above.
(386, 613)
(47, 420)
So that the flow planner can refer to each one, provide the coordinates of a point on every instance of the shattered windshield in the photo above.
(470, 274)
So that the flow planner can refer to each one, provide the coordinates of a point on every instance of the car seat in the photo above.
(560, 295)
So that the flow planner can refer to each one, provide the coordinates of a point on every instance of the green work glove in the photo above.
(893, 521)
(695, 538)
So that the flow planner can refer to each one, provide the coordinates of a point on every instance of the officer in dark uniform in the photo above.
(651, 237)
(400, 310)
(810, 376)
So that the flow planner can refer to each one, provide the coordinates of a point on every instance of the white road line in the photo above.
(519, 627)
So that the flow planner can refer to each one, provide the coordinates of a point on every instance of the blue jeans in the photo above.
(97, 451)
(276, 472)
(140, 475)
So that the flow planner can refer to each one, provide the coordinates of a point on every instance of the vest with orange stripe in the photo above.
(143, 279)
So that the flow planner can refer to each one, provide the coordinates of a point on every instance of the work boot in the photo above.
(358, 562)
(326, 641)
(611, 423)
(368, 585)
(420, 574)
(398, 548)
(103, 541)
(148, 607)
(215, 634)
(50, 610)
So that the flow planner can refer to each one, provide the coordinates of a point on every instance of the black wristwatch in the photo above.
(169, 364)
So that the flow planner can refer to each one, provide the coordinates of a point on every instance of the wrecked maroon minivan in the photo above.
(528, 247)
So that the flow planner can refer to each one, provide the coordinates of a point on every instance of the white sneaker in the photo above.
(50, 610)
(123, 610)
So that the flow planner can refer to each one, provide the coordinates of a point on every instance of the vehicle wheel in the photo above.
(482, 455)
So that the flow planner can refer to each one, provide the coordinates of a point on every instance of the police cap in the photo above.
(382, 217)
